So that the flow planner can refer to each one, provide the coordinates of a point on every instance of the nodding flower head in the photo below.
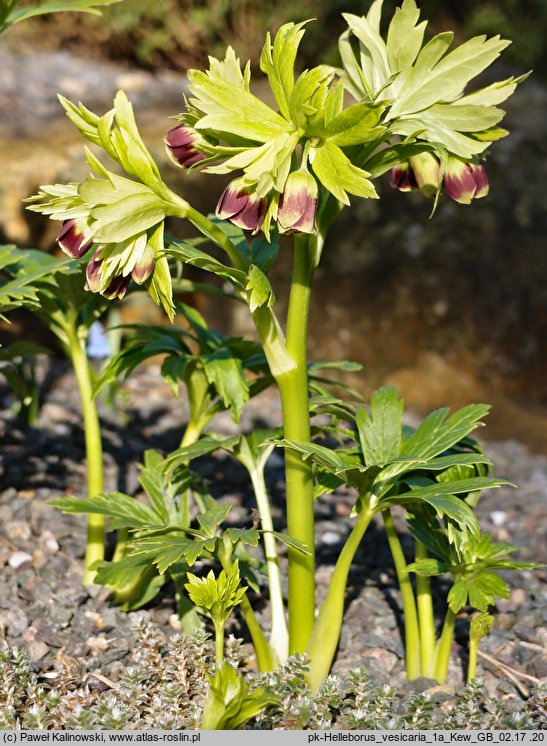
(73, 239)
(420, 172)
(182, 145)
(298, 203)
(464, 180)
(241, 206)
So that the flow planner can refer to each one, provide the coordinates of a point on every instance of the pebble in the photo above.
(36, 650)
(17, 531)
(20, 561)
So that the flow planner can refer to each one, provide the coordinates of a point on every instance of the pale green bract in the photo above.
(423, 86)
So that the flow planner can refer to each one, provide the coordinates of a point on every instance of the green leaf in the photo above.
(356, 125)
(229, 106)
(82, 6)
(373, 51)
(224, 372)
(438, 77)
(127, 218)
(480, 588)
(189, 254)
(428, 567)
(217, 597)
(126, 511)
(405, 36)
(165, 550)
(152, 480)
(259, 289)
(277, 62)
(480, 626)
(436, 434)
(211, 519)
(338, 175)
(250, 536)
(380, 431)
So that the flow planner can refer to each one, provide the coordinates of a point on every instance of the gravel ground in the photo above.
(45, 610)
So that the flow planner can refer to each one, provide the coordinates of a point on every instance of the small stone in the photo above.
(17, 531)
(97, 645)
(498, 517)
(331, 538)
(48, 543)
(20, 561)
(36, 650)
(383, 659)
(174, 622)
(14, 622)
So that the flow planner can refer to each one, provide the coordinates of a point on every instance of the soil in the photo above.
(45, 609)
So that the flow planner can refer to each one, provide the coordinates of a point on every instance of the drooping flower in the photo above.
(182, 145)
(427, 173)
(465, 180)
(241, 206)
(401, 177)
(73, 239)
(298, 203)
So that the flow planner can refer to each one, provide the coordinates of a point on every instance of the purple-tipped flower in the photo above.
(420, 172)
(182, 145)
(427, 173)
(117, 288)
(72, 240)
(241, 207)
(298, 203)
(93, 273)
(465, 181)
(144, 266)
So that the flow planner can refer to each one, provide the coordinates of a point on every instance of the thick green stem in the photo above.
(472, 662)
(293, 387)
(412, 630)
(444, 646)
(279, 638)
(425, 615)
(219, 642)
(93, 448)
(326, 633)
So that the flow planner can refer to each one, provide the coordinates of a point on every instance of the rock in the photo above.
(20, 561)
(17, 531)
(36, 650)
(14, 622)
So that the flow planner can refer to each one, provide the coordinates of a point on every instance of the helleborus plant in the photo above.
(294, 166)
(11, 13)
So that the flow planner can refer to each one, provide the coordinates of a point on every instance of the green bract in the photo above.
(422, 85)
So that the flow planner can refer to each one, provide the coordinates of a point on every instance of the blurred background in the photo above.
(451, 309)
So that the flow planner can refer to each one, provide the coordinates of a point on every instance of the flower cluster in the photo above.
(462, 180)
(411, 104)
(120, 219)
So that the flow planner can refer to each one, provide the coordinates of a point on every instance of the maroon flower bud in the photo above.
(181, 145)
(401, 177)
(117, 288)
(241, 207)
(72, 240)
(427, 173)
(93, 273)
(464, 181)
(298, 203)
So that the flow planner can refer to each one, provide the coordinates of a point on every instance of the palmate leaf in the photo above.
(277, 62)
(380, 431)
(125, 511)
(437, 434)
(164, 550)
(189, 254)
(479, 590)
(152, 480)
(126, 573)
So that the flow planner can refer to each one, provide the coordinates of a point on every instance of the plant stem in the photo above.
(472, 662)
(425, 615)
(412, 629)
(219, 641)
(326, 632)
(93, 446)
(444, 646)
(279, 639)
(293, 388)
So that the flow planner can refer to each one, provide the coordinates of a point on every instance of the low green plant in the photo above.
(294, 168)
